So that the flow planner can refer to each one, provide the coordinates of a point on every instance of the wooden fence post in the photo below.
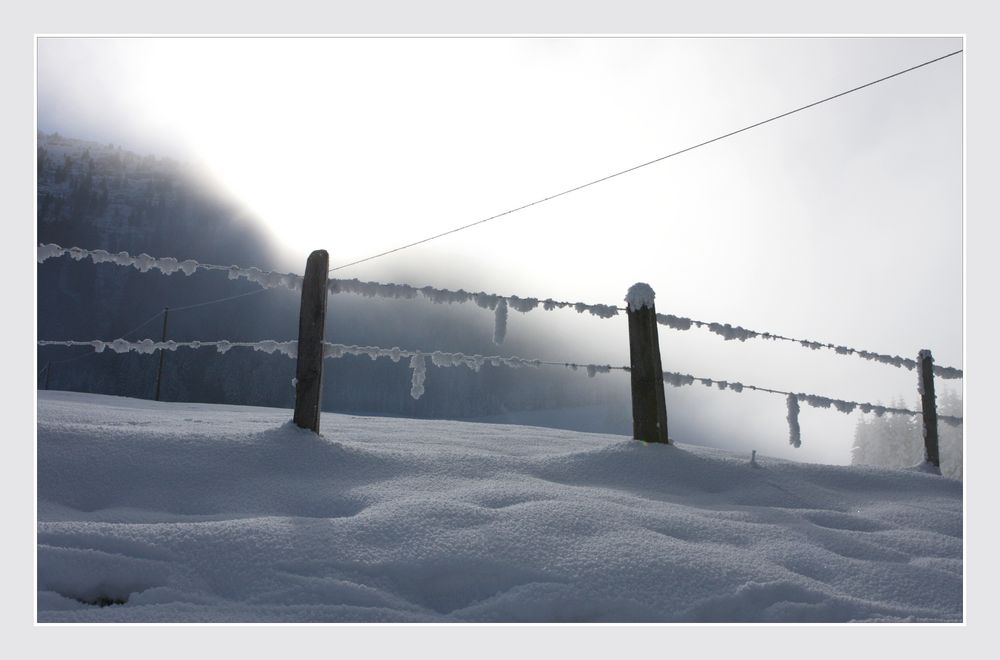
(312, 321)
(925, 367)
(649, 408)
(163, 338)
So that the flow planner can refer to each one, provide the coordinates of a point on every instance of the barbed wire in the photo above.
(496, 302)
(475, 362)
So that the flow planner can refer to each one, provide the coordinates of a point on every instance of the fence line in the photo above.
(647, 376)
(475, 363)
(499, 304)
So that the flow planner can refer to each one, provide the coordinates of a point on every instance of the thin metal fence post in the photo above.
(163, 338)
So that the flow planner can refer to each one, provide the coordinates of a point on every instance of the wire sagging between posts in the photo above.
(475, 362)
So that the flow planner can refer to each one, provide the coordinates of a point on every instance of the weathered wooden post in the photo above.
(312, 320)
(649, 408)
(163, 338)
(925, 385)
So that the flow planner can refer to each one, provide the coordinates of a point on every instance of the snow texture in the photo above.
(640, 295)
(207, 513)
(169, 265)
(794, 436)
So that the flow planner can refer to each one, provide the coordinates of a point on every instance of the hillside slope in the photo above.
(196, 512)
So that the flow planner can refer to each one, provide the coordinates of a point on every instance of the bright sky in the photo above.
(842, 223)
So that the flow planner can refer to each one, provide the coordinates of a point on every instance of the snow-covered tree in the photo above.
(897, 440)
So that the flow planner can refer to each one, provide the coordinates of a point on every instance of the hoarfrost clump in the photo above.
(600, 311)
(816, 401)
(677, 380)
(48, 251)
(332, 350)
(846, 407)
(486, 300)
(729, 332)
(674, 322)
(522, 305)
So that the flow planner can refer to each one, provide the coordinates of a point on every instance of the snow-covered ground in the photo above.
(192, 512)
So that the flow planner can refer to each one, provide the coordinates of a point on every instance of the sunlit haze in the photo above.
(842, 223)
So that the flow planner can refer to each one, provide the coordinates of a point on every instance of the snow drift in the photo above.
(192, 512)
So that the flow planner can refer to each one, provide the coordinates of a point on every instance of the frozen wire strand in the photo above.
(218, 300)
(812, 399)
(148, 346)
(525, 304)
(83, 355)
(271, 279)
(443, 359)
(647, 163)
(486, 300)
(169, 265)
(728, 332)
(143, 324)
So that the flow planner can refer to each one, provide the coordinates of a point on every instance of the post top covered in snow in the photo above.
(640, 295)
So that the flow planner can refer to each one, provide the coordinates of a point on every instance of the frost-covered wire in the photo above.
(729, 332)
(169, 265)
(814, 400)
(491, 301)
(218, 300)
(482, 299)
(474, 362)
(148, 346)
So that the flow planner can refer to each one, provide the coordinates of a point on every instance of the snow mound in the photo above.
(192, 512)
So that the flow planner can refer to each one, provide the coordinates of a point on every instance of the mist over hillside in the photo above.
(101, 196)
